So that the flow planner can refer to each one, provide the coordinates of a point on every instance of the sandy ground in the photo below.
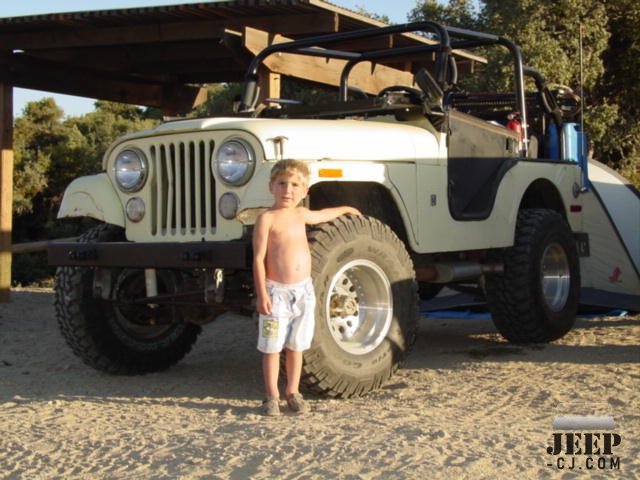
(467, 405)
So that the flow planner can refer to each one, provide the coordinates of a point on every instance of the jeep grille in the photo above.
(182, 188)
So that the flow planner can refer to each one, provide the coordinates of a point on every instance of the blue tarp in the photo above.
(468, 314)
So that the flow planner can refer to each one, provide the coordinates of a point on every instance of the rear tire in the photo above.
(366, 309)
(536, 298)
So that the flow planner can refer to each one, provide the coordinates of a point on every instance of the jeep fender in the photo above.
(92, 196)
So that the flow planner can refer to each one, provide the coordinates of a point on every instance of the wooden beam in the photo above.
(136, 57)
(164, 32)
(366, 44)
(234, 42)
(368, 77)
(26, 72)
(6, 188)
(269, 85)
(37, 246)
(218, 76)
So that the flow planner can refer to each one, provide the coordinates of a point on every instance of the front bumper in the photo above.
(236, 254)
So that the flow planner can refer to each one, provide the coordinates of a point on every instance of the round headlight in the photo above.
(130, 170)
(234, 162)
(228, 205)
(135, 209)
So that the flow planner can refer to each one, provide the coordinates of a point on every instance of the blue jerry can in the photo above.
(573, 143)
(552, 150)
(574, 149)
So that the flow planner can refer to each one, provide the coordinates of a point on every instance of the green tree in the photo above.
(548, 33)
(90, 136)
(621, 89)
(220, 100)
(37, 135)
(381, 18)
(50, 152)
(455, 13)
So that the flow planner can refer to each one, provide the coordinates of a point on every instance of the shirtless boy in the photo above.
(282, 276)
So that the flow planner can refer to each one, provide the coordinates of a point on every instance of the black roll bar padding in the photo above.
(453, 71)
(473, 35)
(343, 92)
(328, 53)
(429, 85)
(549, 102)
(247, 103)
(251, 90)
(536, 75)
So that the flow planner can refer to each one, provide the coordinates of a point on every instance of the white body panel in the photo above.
(364, 151)
(93, 197)
(409, 159)
(439, 232)
(340, 140)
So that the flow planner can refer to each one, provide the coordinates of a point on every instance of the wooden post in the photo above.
(269, 84)
(6, 188)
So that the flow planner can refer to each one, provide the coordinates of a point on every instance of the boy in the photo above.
(282, 276)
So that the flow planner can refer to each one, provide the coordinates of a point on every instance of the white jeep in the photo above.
(473, 191)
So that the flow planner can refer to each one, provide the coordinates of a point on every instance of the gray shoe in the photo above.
(297, 403)
(271, 406)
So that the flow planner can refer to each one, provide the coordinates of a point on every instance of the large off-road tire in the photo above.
(536, 298)
(366, 310)
(113, 335)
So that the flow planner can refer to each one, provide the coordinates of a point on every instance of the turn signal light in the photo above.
(330, 173)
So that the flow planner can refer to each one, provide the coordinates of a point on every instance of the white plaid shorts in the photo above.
(291, 321)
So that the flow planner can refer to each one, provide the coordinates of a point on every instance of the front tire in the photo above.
(536, 298)
(117, 336)
(366, 308)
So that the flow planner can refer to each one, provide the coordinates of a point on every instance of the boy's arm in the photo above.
(260, 237)
(313, 217)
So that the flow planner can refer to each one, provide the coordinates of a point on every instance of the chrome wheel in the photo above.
(359, 307)
(536, 298)
(555, 276)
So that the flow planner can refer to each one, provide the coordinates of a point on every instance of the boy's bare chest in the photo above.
(288, 232)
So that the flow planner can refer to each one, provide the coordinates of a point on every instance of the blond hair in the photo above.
(291, 167)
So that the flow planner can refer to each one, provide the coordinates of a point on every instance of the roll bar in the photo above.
(474, 39)
(445, 71)
(310, 46)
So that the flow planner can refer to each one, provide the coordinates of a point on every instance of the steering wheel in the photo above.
(568, 101)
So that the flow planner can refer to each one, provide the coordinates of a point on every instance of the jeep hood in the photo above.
(305, 139)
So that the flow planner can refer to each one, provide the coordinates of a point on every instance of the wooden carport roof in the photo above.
(156, 56)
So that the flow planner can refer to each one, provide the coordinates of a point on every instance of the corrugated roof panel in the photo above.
(197, 11)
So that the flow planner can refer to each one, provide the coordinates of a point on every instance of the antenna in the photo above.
(583, 142)
(581, 81)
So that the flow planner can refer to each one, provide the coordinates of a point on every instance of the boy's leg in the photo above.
(294, 371)
(270, 369)
(300, 335)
